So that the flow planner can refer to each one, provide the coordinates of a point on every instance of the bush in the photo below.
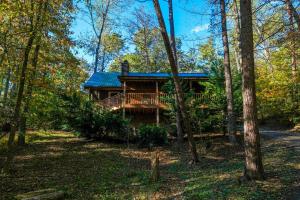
(151, 135)
(95, 122)
(6, 114)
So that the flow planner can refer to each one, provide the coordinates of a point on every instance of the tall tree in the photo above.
(173, 45)
(293, 34)
(178, 88)
(99, 17)
(28, 95)
(34, 28)
(237, 26)
(231, 124)
(293, 12)
(253, 158)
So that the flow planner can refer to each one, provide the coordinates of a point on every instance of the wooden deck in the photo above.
(142, 100)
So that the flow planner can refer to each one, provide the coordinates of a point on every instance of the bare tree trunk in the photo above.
(172, 31)
(238, 34)
(6, 85)
(231, 124)
(266, 45)
(104, 17)
(103, 61)
(253, 159)
(293, 35)
(293, 12)
(22, 132)
(173, 45)
(179, 92)
(146, 51)
(179, 127)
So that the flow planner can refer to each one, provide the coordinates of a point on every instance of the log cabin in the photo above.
(138, 96)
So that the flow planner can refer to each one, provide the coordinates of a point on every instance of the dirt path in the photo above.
(291, 140)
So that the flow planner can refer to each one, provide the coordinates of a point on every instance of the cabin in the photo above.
(138, 96)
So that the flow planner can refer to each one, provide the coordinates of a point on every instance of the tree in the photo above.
(100, 12)
(292, 13)
(112, 46)
(173, 45)
(101, 18)
(141, 28)
(28, 95)
(34, 28)
(179, 92)
(231, 124)
(293, 34)
(237, 39)
(253, 158)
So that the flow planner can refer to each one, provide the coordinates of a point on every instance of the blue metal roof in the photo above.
(111, 79)
(104, 79)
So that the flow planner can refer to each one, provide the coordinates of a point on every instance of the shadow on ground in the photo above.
(95, 170)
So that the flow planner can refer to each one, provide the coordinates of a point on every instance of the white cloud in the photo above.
(200, 28)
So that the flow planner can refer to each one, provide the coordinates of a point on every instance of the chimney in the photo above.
(124, 68)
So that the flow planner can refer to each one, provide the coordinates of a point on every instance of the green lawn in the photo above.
(95, 170)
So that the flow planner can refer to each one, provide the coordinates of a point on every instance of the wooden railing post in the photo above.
(157, 104)
(124, 99)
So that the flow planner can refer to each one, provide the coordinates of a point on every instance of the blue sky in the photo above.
(191, 20)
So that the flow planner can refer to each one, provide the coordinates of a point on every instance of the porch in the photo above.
(144, 100)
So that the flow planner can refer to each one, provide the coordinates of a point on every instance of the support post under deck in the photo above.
(124, 99)
(157, 104)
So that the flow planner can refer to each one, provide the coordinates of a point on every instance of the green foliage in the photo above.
(151, 135)
(6, 111)
(93, 121)
(277, 90)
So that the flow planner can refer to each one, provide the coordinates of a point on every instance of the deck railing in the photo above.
(146, 99)
(112, 103)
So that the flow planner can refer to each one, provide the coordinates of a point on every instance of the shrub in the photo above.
(151, 135)
(6, 114)
(115, 126)
(95, 122)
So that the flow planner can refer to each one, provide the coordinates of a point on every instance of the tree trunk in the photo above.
(266, 45)
(293, 35)
(20, 95)
(22, 133)
(173, 45)
(293, 12)
(253, 159)
(179, 127)
(231, 124)
(146, 51)
(238, 34)
(172, 31)
(6, 85)
(103, 61)
(104, 17)
(179, 92)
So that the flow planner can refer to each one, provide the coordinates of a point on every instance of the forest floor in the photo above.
(97, 170)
